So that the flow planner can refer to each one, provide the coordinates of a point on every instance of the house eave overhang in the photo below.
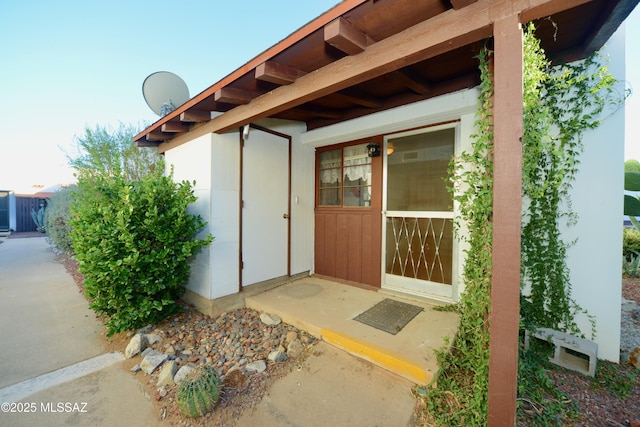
(361, 57)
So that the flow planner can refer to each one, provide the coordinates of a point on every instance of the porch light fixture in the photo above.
(373, 149)
(390, 148)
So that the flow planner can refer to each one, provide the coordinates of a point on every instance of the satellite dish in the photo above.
(164, 91)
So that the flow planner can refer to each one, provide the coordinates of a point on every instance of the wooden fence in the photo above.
(24, 221)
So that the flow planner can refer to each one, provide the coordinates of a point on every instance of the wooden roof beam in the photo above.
(280, 74)
(359, 100)
(235, 96)
(321, 112)
(345, 37)
(146, 143)
(195, 116)
(418, 87)
(174, 127)
(157, 137)
(459, 4)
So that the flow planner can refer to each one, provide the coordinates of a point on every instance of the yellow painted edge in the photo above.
(389, 360)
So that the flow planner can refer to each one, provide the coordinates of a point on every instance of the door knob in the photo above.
(285, 216)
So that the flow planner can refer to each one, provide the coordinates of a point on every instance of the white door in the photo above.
(265, 188)
(418, 214)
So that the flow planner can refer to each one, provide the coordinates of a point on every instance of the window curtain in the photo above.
(330, 162)
(357, 163)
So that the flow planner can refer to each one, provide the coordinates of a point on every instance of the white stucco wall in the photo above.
(595, 260)
(213, 161)
(192, 162)
(225, 199)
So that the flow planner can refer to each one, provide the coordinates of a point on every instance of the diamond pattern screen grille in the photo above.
(420, 248)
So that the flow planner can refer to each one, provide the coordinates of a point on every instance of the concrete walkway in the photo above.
(333, 388)
(55, 362)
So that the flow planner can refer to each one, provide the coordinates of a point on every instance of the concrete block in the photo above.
(571, 352)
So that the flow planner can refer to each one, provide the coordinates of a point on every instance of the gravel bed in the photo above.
(228, 342)
(629, 329)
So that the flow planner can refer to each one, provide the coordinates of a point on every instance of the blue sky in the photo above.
(68, 65)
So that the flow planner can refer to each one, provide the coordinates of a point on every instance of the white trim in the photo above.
(421, 214)
(435, 292)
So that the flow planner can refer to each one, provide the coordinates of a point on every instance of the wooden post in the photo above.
(507, 208)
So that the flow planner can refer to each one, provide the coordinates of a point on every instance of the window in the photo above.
(345, 177)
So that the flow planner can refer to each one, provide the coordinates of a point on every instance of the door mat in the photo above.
(389, 315)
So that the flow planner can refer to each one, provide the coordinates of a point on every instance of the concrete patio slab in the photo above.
(326, 310)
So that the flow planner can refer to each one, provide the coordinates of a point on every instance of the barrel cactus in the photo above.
(199, 393)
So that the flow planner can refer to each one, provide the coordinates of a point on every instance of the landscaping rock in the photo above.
(634, 358)
(165, 377)
(162, 392)
(256, 367)
(293, 335)
(147, 329)
(135, 346)
(152, 361)
(307, 339)
(234, 339)
(153, 338)
(277, 356)
(295, 348)
(235, 378)
(182, 373)
(270, 319)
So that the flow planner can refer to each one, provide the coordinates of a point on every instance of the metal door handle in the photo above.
(285, 216)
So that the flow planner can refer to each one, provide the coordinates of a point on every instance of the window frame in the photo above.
(342, 186)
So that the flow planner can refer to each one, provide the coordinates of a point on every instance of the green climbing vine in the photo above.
(560, 104)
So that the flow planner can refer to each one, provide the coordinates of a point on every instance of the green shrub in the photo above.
(630, 243)
(57, 219)
(199, 393)
(133, 242)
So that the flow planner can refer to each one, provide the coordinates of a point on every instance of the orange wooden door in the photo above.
(348, 237)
